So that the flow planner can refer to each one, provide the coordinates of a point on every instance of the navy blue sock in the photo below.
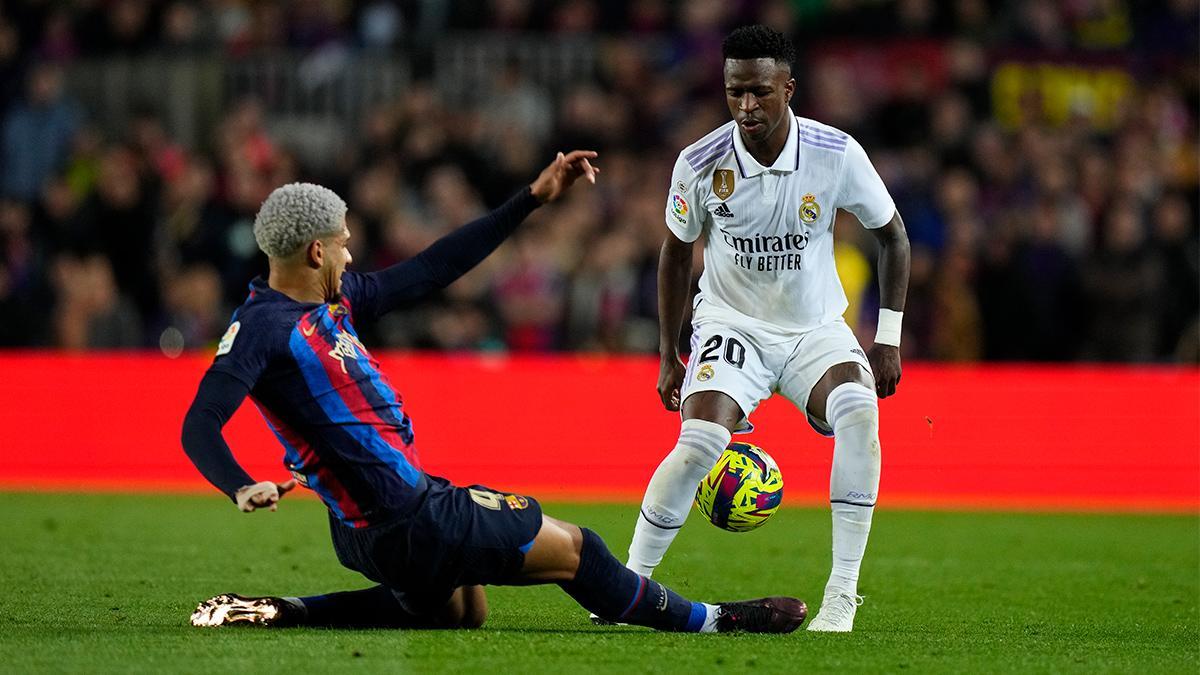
(370, 607)
(610, 590)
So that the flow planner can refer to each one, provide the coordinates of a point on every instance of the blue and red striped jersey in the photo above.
(342, 425)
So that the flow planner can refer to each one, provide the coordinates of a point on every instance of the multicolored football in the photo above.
(741, 492)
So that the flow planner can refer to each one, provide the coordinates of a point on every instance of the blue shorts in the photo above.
(457, 537)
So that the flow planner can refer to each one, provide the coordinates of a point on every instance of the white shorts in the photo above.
(749, 366)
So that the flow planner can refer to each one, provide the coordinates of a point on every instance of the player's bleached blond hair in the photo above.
(296, 214)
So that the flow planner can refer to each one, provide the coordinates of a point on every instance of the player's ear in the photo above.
(789, 88)
(315, 254)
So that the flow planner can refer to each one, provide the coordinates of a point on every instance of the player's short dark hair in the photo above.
(758, 42)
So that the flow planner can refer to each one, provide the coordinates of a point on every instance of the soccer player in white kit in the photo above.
(764, 188)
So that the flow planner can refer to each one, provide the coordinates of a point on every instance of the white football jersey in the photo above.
(768, 260)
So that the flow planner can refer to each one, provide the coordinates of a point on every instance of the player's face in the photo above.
(337, 257)
(757, 92)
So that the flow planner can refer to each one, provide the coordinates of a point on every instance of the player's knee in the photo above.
(851, 405)
(700, 443)
(687, 457)
(574, 540)
(836, 377)
(460, 615)
(474, 607)
(572, 556)
(555, 555)
(473, 617)
(868, 415)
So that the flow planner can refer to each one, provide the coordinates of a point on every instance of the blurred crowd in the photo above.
(1046, 225)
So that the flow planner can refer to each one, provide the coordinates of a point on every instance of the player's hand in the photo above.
(263, 495)
(670, 380)
(562, 173)
(885, 364)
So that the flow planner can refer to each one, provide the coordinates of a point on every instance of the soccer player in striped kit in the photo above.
(429, 546)
(764, 188)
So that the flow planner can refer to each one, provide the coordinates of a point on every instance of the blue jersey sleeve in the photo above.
(217, 399)
(245, 350)
(372, 295)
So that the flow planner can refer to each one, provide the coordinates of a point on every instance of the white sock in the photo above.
(710, 618)
(853, 412)
(671, 491)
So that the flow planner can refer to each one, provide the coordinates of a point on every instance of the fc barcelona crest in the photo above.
(723, 183)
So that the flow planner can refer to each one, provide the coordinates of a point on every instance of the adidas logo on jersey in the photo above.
(723, 211)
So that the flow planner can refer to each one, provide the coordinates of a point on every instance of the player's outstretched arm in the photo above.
(884, 355)
(219, 396)
(674, 286)
(457, 253)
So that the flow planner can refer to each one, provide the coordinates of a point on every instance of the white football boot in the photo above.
(837, 613)
(231, 608)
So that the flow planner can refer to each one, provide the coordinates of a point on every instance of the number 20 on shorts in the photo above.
(735, 352)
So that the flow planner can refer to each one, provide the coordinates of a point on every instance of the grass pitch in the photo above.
(106, 583)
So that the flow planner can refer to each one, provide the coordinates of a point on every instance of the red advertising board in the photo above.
(591, 428)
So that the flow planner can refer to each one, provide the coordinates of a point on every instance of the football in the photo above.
(741, 492)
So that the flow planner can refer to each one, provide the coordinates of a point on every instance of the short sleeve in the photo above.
(361, 291)
(862, 191)
(684, 213)
(244, 351)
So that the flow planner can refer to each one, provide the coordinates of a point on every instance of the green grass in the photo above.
(106, 583)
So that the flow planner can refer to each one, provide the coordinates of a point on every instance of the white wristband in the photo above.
(888, 331)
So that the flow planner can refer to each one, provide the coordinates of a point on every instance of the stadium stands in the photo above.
(1042, 155)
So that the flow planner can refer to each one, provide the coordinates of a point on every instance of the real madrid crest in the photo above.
(723, 183)
(810, 210)
(705, 373)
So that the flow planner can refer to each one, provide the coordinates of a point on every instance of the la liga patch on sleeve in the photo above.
(226, 343)
(679, 205)
(679, 209)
